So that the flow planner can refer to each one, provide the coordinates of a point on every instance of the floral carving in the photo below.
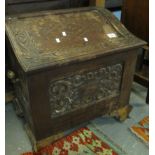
(84, 89)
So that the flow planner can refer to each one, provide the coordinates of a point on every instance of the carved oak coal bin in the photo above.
(70, 66)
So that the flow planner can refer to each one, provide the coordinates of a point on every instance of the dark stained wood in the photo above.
(79, 3)
(27, 1)
(128, 78)
(25, 6)
(77, 80)
(37, 145)
(109, 4)
(17, 8)
(66, 120)
(135, 16)
(113, 4)
(8, 84)
(142, 76)
(142, 73)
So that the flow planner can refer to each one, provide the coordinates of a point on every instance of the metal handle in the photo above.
(12, 76)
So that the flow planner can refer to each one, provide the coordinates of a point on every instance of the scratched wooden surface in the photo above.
(52, 37)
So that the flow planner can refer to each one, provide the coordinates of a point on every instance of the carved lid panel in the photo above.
(50, 38)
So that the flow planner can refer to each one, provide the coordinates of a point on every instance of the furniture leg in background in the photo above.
(98, 3)
(135, 16)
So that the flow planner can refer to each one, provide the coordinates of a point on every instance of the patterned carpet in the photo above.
(80, 142)
(141, 129)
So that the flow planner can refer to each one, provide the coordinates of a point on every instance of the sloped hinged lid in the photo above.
(56, 37)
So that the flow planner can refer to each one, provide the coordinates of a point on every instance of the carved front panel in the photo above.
(82, 90)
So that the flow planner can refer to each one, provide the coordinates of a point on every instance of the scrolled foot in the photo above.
(122, 113)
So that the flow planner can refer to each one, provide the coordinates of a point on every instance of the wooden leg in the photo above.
(18, 108)
(37, 145)
(122, 113)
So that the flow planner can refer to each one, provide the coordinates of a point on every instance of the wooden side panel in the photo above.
(20, 86)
